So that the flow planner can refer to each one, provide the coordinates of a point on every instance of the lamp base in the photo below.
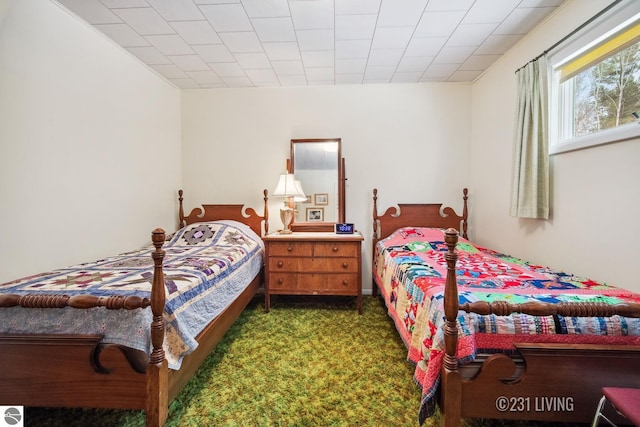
(286, 215)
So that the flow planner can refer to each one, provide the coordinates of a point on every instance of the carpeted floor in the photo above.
(309, 362)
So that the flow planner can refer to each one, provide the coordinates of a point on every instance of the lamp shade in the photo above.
(288, 187)
(301, 197)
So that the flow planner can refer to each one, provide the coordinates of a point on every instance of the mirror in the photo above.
(318, 165)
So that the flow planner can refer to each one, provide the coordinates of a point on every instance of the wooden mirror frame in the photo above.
(325, 225)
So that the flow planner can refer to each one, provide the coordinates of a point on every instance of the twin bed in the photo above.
(492, 336)
(129, 331)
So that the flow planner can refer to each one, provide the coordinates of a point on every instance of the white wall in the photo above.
(593, 230)
(89, 143)
(411, 141)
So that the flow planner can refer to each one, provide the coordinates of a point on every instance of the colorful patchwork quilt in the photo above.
(206, 266)
(410, 269)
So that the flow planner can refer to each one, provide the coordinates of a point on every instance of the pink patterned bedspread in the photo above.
(410, 270)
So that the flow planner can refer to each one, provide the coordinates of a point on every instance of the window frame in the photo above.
(614, 20)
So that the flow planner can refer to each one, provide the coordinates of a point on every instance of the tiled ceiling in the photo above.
(248, 43)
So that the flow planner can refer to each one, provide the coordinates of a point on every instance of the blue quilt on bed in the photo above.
(206, 266)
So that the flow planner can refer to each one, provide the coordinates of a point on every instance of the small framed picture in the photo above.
(315, 214)
(321, 199)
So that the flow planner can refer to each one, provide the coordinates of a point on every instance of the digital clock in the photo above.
(344, 229)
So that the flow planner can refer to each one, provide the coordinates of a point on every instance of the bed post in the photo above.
(465, 212)
(265, 212)
(451, 387)
(157, 406)
(374, 238)
(182, 222)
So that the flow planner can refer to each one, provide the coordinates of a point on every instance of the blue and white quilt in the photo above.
(206, 267)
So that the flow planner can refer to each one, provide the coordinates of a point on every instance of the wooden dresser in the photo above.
(313, 263)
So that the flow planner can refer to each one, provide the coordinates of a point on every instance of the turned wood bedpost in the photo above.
(265, 213)
(157, 407)
(182, 222)
(374, 238)
(451, 381)
(465, 212)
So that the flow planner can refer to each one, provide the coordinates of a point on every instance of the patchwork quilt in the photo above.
(410, 269)
(206, 266)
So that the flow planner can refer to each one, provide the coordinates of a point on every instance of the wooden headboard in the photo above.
(228, 211)
(418, 215)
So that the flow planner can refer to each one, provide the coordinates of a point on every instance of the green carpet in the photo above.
(309, 362)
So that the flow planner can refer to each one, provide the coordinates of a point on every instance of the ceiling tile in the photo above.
(274, 29)
(453, 54)
(241, 42)
(227, 17)
(414, 63)
(351, 66)
(300, 80)
(438, 24)
(355, 27)
(380, 73)
(497, 44)
(177, 10)
(470, 34)
(227, 69)
(254, 60)
(170, 71)
(355, 78)
(463, 76)
(448, 5)
(266, 8)
(401, 13)
(320, 74)
(478, 62)
(215, 1)
(262, 76)
(315, 39)
(322, 58)
(189, 62)
(287, 68)
(204, 76)
(439, 71)
(115, 4)
(185, 83)
(214, 53)
(196, 32)
(149, 55)
(406, 77)
(489, 11)
(282, 51)
(353, 49)
(385, 57)
(426, 46)
(144, 20)
(91, 11)
(356, 7)
(391, 37)
(170, 44)
(122, 34)
(312, 14)
(237, 81)
(521, 21)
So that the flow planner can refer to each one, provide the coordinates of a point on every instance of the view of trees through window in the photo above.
(607, 94)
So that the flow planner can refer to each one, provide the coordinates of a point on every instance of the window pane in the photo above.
(606, 95)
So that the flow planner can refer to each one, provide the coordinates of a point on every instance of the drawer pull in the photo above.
(345, 282)
(345, 264)
(280, 281)
(289, 248)
(280, 264)
(335, 249)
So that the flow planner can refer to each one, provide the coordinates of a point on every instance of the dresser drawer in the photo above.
(314, 284)
(290, 248)
(331, 249)
(313, 265)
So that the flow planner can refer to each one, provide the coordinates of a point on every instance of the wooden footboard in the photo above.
(558, 382)
(80, 371)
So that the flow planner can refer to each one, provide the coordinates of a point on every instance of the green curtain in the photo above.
(530, 186)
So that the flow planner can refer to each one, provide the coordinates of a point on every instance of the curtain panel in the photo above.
(530, 185)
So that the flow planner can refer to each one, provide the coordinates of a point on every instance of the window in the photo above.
(595, 88)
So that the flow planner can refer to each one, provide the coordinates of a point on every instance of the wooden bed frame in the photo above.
(80, 371)
(548, 382)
